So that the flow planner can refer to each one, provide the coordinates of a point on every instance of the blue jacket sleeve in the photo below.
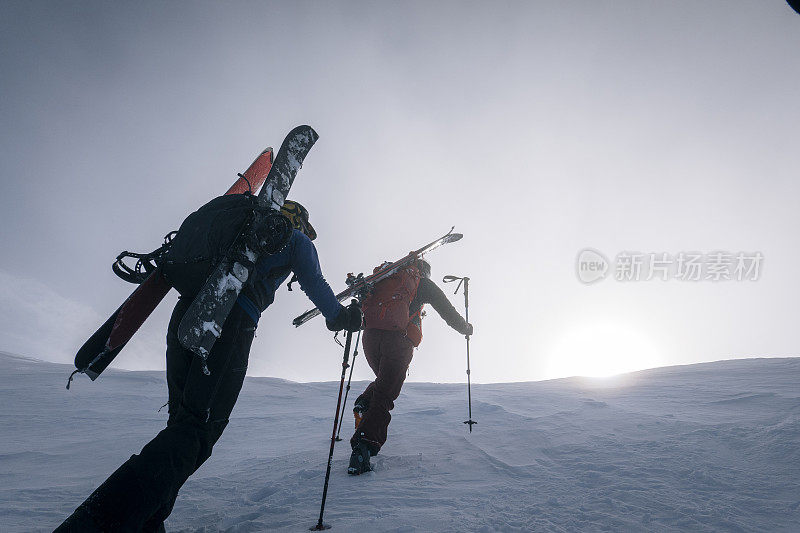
(305, 264)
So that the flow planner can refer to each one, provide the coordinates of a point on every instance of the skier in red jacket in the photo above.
(393, 328)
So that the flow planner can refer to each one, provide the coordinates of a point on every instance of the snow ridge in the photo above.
(710, 447)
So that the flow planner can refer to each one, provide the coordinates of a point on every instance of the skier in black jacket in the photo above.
(389, 352)
(140, 494)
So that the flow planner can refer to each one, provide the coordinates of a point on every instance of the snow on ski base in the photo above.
(709, 447)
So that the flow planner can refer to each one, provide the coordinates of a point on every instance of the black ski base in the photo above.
(93, 357)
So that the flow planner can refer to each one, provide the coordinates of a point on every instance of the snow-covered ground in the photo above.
(709, 447)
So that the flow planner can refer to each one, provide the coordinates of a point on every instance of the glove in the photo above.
(349, 318)
(468, 331)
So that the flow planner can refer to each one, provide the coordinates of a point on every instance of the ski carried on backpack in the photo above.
(106, 343)
(269, 232)
(359, 286)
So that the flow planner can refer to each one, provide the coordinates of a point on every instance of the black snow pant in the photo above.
(140, 494)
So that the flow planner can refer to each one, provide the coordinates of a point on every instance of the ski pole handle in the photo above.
(449, 278)
(466, 302)
(465, 280)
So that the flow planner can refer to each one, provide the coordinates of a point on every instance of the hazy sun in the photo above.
(601, 350)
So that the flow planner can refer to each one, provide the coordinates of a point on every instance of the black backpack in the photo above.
(207, 236)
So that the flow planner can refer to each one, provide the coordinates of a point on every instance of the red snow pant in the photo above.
(388, 353)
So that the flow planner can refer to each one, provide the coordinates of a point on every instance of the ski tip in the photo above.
(453, 237)
(305, 128)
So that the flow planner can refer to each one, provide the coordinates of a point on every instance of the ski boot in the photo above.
(359, 459)
(357, 415)
(359, 408)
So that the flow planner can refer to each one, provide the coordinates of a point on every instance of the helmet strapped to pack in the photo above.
(298, 216)
(424, 268)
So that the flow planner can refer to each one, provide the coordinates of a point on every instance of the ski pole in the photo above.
(465, 281)
(347, 389)
(320, 526)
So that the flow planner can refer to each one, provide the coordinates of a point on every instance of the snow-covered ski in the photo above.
(202, 324)
(106, 343)
(359, 286)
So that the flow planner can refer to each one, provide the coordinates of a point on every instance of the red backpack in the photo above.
(387, 305)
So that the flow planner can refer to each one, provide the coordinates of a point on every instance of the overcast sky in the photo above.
(538, 129)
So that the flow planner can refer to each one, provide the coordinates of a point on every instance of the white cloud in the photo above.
(36, 321)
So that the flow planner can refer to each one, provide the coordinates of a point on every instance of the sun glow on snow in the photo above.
(601, 350)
